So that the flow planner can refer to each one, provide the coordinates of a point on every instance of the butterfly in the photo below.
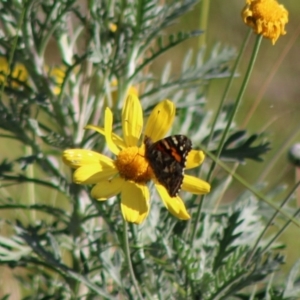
(167, 158)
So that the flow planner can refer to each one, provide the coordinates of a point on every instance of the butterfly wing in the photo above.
(167, 158)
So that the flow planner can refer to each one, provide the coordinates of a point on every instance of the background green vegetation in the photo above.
(277, 116)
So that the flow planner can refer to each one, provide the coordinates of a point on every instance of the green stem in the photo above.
(280, 231)
(228, 181)
(237, 103)
(270, 222)
(236, 64)
(128, 259)
(249, 187)
(204, 11)
(30, 185)
(241, 92)
(82, 104)
(279, 153)
(271, 75)
(44, 40)
(124, 83)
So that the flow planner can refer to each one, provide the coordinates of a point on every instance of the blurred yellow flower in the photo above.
(112, 27)
(266, 17)
(57, 75)
(129, 173)
(19, 73)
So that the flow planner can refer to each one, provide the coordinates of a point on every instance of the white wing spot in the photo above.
(175, 141)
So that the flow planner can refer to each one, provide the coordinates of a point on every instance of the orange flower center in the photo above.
(132, 165)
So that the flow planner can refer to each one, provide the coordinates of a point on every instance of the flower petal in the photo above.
(195, 185)
(134, 202)
(91, 174)
(108, 132)
(132, 120)
(160, 120)
(76, 158)
(116, 139)
(133, 90)
(107, 188)
(174, 205)
(194, 159)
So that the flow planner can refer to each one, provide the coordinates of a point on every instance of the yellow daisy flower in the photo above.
(129, 173)
(266, 17)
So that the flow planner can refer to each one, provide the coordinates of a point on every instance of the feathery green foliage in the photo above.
(62, 63)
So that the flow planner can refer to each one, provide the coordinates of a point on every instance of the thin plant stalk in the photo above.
(30, 185)
(128, 259)
(234, 111)
(272, 73)
(224, 189)
(270, 222)
(83, 105)
(228, 86)
(220, 107)
(241, 93)
(278, 154)
(279, 232)
(242, 181)
(204, 12)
